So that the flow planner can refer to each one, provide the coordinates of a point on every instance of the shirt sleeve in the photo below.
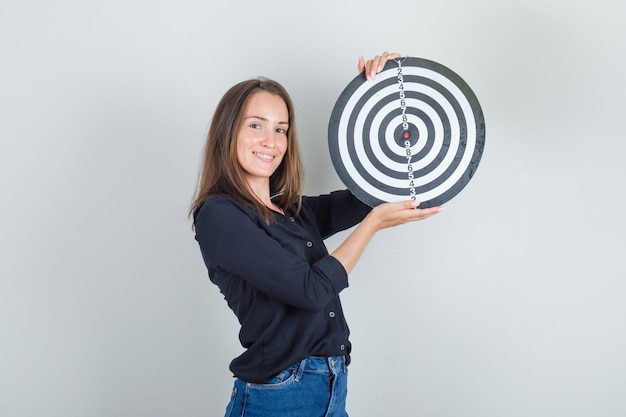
(337, 211)
(234, 240)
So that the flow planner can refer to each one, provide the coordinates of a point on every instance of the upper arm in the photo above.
(337, 211)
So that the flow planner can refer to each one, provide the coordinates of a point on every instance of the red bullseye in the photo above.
(406, 134)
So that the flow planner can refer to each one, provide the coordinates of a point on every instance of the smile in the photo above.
(264, 157)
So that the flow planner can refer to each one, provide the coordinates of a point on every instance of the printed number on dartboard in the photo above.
(405, 134)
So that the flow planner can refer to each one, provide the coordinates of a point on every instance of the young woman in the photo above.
(263, 244)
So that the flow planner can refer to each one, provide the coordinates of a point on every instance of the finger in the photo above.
(381, 61)
(361, 64)
(419, 213)
(377, 64)
(404, 205)
(368, 68)
(374, 68)
(386, 56)
(409, 216)
(422, 214)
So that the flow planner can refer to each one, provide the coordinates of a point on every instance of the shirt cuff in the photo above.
(334, 272)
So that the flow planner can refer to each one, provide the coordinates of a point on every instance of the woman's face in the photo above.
(262, 138)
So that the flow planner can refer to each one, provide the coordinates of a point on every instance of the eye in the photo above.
(255, 125)
(281, 130)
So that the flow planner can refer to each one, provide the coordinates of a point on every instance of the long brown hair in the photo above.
(221, 174)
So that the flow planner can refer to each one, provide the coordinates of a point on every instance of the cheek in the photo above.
(239, 153)
(241, 145)
(284, 145)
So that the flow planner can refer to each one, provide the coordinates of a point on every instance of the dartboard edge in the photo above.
(416, 131)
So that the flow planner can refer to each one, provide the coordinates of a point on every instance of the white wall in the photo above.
(510, 303)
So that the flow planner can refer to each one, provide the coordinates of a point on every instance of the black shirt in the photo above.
(279, 279)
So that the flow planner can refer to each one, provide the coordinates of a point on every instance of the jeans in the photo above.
(314, 387)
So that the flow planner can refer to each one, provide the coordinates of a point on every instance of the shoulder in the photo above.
(221, 210)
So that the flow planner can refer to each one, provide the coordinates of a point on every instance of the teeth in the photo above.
(263, 156)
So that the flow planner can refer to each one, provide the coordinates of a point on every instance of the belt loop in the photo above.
(333, 361)
(300, 370)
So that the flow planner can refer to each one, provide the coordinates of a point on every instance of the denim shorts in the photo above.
(314, 387)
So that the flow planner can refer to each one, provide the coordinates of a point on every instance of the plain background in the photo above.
(509, 303)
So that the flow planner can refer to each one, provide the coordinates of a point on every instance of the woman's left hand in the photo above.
(375, 65)
(393, 214)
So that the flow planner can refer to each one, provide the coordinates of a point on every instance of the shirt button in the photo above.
(342, 347)
(292, 219)
(309, 244)
(331, 314)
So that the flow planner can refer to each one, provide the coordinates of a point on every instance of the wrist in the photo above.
(370, 223)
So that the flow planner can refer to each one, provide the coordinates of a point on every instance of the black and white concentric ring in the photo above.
(446, 134)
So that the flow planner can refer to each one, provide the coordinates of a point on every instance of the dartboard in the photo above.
(414, 131)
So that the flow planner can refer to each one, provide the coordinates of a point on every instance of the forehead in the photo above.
(262, 103)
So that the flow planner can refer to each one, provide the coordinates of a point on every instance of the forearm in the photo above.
(350, 251)
(383, 216)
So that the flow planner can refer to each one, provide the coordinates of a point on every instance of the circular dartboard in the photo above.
(414, 131)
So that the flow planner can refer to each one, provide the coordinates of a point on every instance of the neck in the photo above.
(261, 190)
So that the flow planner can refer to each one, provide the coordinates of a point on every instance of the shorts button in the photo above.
(309, 244)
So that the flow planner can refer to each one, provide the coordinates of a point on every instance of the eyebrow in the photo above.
(264, 119)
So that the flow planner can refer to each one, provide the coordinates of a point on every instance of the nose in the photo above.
(269, 140)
